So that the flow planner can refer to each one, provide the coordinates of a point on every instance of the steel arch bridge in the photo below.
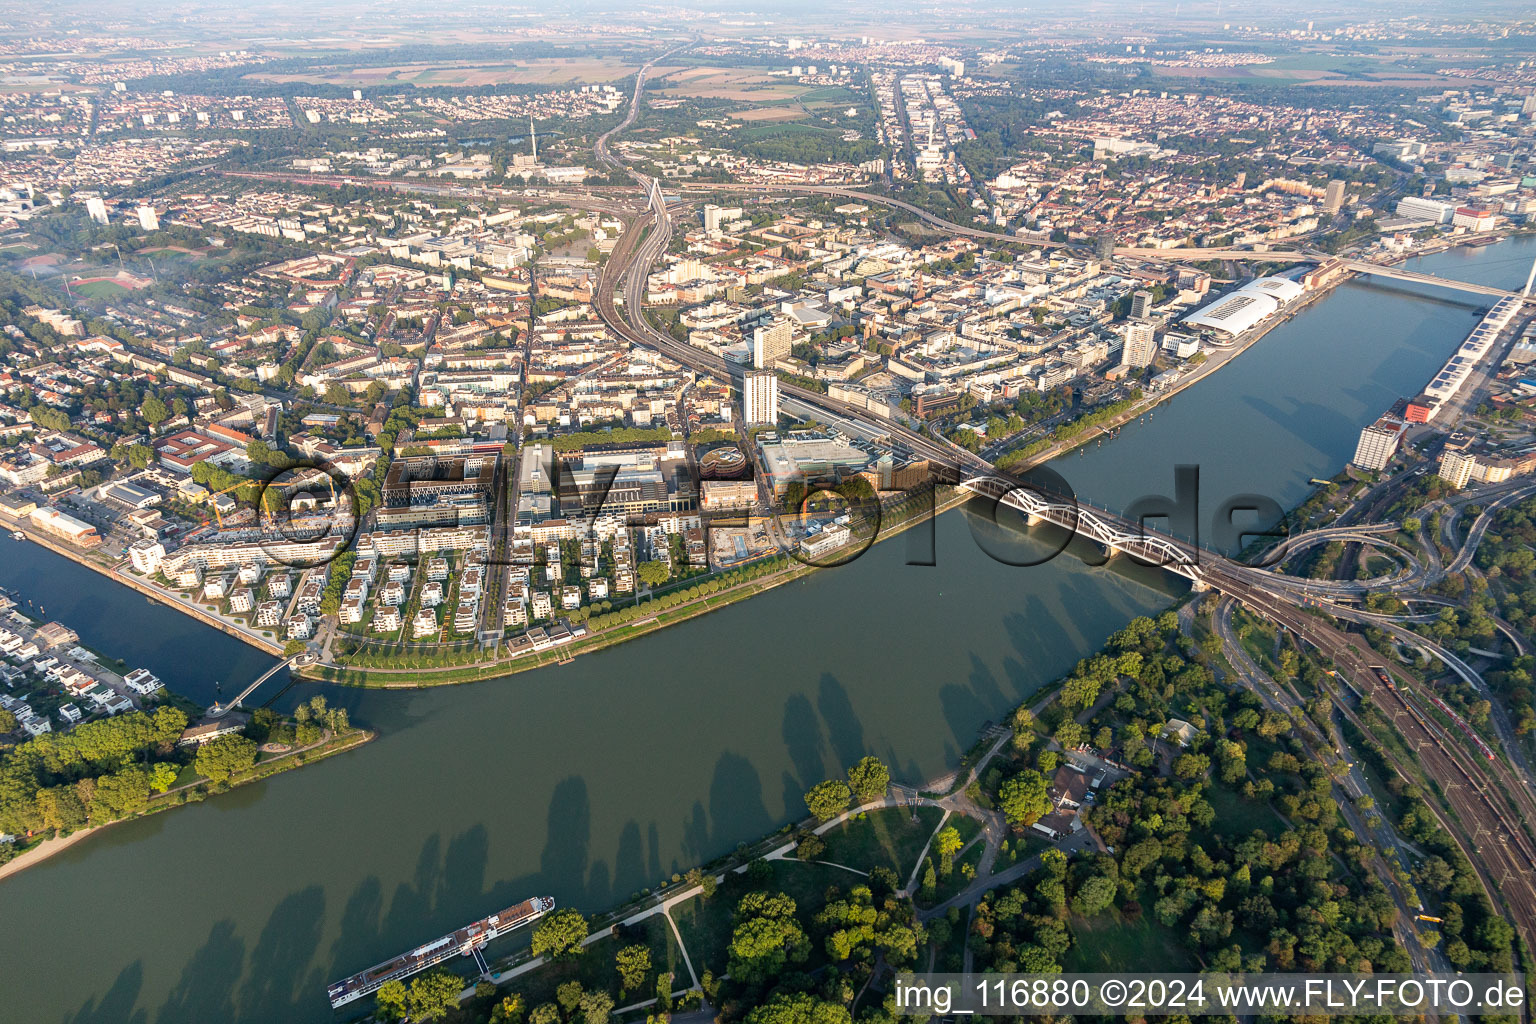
(1115, 534)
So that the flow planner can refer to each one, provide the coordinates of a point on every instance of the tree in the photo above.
(7, 721)
(154, 410)
(654, 573)
(705, 880)
(930, 880)
(826, 800)
(509, 1011)
(766, 937)
(545, 1013)
(392, 1000)
(799, 1008)
(560, 935)
(121, 794)
(947, 843)
(432, 995)
(596, 1007)
(633, 963)
(227, 755)
(1094, 895)
(162, 777)
(1024, 798)
(568, 995)
(869, 779)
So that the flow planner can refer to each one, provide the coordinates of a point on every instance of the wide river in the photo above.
(592, 780)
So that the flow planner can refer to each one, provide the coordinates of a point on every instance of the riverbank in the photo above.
(195, 792)
(414, 678)
(1224, 355)
(42, 851)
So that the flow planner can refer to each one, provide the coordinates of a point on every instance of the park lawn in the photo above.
(957, 879)
(594, 968)
(706, 925)
(1021, 846)
(1236, 816)
(808, 883)
(887, 837)
(185, 775)
(968, 827)
(1111, 942)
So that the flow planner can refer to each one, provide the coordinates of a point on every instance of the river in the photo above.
(591, 780)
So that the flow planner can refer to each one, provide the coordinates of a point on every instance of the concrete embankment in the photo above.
(57, 546)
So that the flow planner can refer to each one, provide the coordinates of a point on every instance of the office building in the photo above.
(760, 397)
(716, 217)
(1419, 208)
(1141, 305)
(1378, 443)
(1140, 345)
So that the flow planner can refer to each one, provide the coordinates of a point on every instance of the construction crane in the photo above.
(266, 515)
(213, 499)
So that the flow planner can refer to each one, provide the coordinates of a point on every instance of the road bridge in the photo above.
(1414, 277)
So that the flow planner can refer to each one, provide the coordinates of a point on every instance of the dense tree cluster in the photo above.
(99, 771)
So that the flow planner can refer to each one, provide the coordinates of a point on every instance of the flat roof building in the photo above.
(1378, 443)
(1247, 307)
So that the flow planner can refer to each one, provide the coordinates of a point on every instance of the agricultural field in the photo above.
(1317, 69)
(748, 85)
(541, 71)
(758, 114)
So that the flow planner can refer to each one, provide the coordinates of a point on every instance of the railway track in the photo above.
(1489, 822)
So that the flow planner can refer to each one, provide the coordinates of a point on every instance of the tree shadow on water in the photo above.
(282, 972)
(735, 809)
(282, 977)
(117, 1005)
(843, 725)
(803, 740)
